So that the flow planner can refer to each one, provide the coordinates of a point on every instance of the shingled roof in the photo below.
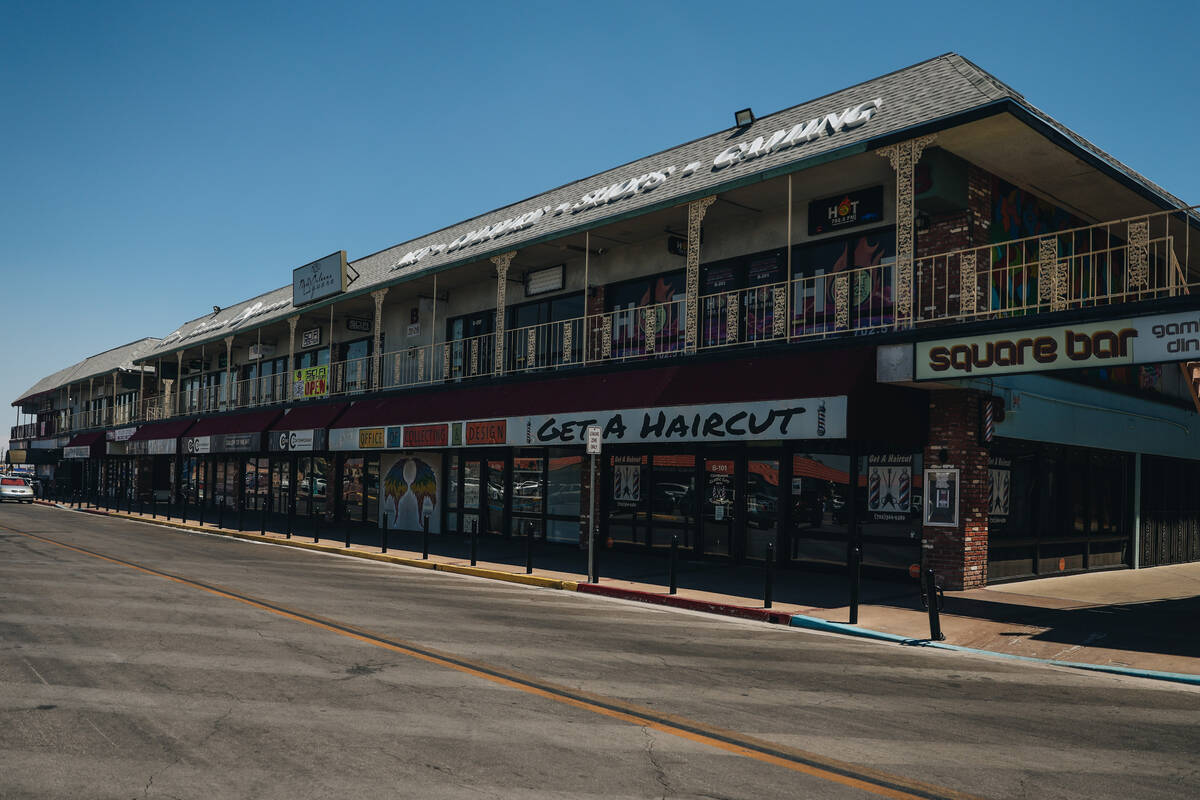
(91, 367)
(868, 115)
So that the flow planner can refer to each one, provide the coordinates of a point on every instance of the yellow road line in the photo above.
(844, 773)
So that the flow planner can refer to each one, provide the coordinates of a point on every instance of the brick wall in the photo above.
(938, 280)
(959, 555)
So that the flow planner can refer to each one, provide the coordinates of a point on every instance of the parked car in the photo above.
(14, 488)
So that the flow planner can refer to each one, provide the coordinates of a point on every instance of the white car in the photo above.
(14, 488)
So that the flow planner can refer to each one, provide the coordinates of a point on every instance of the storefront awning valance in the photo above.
(309, 417)
(86, 439)
(252, 422)
(162, 430)
(768, 377)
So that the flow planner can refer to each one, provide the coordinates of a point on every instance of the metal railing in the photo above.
(1112, 263)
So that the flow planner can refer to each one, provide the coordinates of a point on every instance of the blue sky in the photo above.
(163, 157)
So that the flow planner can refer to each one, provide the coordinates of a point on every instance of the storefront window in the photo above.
(352, 488)
(472, 475)
(318, 487)
(718, 504)
(563, 501)
(453, 482)
(628, 503)
(371, 487)
(673, 504)
(496, 491)
(820, 514)
(528, 493)
(762, 506)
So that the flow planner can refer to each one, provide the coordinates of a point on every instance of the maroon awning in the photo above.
(162, 430)
(306, 417)
(86, 439)
(751, 377)
(252, 422)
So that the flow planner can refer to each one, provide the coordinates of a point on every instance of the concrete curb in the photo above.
(675, 601)
(817, 624)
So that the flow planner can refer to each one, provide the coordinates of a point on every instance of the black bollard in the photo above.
(595, 557)
(241, 514)
(425, 538)
(153, 506)
(855, 580)
(141, 508)
(383, 534)
(769, 576)
(347, 533)
(200, 513)
(529, 554)
(221, 513)
(317, 527)
(671, 577)
(474, 539)
(931, 601)
(262, 517)
(291, 516)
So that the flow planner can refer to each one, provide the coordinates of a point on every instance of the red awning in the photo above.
(162, 430)
(253, 422)
(309, 417)
(86, 439)
(750, 378)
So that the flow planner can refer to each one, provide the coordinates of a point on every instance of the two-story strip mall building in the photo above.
(917, 311)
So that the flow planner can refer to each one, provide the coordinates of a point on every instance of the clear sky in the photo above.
(162, 157)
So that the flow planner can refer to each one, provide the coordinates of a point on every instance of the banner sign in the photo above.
(236, 443)
(197, 445)
(152, 447)
(310, 338)
(311, 381)
(320, 279)
(83, 451)
(120, 434)
(1140, 340)
(813, 418)
(297, 441)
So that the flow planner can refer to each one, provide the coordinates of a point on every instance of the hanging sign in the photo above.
(320, 279)
(197, 445)
(310, 338)
(358, 325)
(848, 210)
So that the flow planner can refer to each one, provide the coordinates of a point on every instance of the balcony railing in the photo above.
(1136, 259)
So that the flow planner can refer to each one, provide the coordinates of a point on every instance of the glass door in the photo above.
(718, 504)
(761, 507)
(472, 477)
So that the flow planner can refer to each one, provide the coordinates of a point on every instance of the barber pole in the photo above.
(989, 426)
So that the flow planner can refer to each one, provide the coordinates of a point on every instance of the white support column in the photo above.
(141, 396)
(229, 396)
(178, 381)
(112, 411)
(696, 211)
(377, 338)
(904, 157)
(501, 261)
(288, 383)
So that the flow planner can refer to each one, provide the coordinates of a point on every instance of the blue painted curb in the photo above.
(818, 624)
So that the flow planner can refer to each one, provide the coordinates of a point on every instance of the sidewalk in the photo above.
(1144, 619)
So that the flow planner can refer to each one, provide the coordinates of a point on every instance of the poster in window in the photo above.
(817, 265)
(889, 486)
(999, 489)
(627, 481)
(411, 491)
(941, 498)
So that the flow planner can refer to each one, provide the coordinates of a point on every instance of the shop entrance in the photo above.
(718, 506)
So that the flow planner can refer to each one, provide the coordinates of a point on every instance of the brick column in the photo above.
(959, 555)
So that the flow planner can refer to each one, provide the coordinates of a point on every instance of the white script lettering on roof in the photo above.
(208, 326)
(783, 139)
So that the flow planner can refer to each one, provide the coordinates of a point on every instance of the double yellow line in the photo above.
(872, 781)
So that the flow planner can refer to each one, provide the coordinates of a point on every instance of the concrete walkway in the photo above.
(1141, 619)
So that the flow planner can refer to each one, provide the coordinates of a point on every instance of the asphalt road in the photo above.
(139, 662)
